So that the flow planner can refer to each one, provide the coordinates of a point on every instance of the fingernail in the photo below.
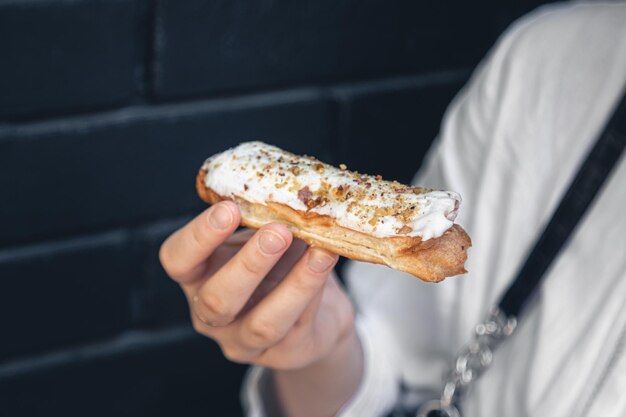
(271, 242)
(320, 261)
(221, 217)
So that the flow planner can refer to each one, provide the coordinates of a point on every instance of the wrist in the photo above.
(347, 352)
(329, 382)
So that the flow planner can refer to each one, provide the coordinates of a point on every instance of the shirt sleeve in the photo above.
(379, 377)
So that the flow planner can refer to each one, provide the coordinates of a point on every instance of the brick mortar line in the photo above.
(438, 78)
(54, 247)
(127, 342)
(158, 111)
(95, 239)
(34, 2)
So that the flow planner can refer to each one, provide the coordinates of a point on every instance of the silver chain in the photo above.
(471, 362)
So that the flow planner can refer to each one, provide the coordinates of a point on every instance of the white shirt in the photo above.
(510, 143)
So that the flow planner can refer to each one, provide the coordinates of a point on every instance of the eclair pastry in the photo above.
(361, 217)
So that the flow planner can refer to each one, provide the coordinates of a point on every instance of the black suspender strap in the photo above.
(582, 190)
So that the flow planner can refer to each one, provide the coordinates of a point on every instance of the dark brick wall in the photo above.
(107, 109)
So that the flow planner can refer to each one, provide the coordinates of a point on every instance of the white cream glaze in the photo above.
(262, 173)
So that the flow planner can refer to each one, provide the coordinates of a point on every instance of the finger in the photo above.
(239, 238)
(184, 251)
(310, 311)
(219, 300)
(222, 254)
(268, 322)
(276, 275)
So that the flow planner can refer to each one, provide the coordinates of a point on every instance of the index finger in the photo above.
(185, 251)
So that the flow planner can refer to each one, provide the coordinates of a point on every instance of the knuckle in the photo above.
(234, 354)
(250, 266)
(198, 326)
(263, 333)
(166, 260)
(304, 324)
(308, 284)
(173, 267)
(215, 309)
(198, 236)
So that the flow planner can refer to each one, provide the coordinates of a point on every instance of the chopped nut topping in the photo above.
(295, 186)
(370, 201)
(341, 192)
(304, 195)
(404, 230)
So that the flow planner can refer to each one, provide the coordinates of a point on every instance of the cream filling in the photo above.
(262, 173)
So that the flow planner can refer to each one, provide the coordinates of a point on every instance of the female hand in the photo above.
(265, 298)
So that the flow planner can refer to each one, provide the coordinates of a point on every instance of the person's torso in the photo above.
(567, 357)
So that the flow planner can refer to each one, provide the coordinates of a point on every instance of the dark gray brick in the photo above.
(225, 45)
(137, 165)
(157, 300)
(61, 56)
(59, 294)
(386, 128)
(187, 378)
